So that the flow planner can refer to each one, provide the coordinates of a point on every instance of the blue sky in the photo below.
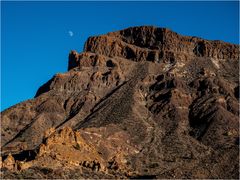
(36, 37)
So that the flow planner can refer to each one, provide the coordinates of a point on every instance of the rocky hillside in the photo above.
(143, 102)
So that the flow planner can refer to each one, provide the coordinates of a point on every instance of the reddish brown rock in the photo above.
(144, 102)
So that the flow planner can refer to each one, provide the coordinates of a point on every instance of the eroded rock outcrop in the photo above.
(143, 102)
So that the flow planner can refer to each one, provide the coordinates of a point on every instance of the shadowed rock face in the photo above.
(143, 102)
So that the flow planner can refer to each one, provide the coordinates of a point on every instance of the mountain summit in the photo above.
(143, 102)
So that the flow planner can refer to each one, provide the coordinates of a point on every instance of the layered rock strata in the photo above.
(143, 102)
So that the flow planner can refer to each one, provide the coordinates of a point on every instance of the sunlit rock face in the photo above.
(143, 102)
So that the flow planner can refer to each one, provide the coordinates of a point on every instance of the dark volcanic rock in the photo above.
(144, 102)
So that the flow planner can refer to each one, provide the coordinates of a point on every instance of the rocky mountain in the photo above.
(143, 102)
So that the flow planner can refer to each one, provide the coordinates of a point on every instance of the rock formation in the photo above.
(143, 102)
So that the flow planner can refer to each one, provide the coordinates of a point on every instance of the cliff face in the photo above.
(141, 102)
